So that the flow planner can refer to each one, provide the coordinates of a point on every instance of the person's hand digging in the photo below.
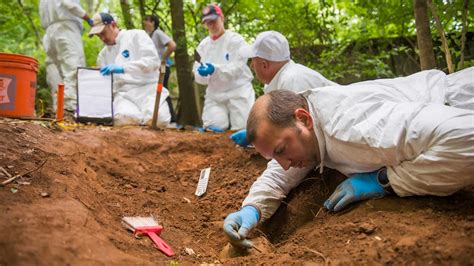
(237, 225)
(240, 138)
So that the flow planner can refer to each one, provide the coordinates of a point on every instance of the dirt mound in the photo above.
(69, 210)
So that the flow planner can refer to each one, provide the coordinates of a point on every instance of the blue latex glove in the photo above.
(206, 70)
(238, 224)
(357, 187)
(240, 138)
(91, 22)
(214, 129)
(106, 70)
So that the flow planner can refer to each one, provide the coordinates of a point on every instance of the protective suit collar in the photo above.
(317, 130)
(276, 79)
(119, 36)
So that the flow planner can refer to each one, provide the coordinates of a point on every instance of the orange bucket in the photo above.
(17, 85)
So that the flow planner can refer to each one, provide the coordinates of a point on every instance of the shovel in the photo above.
(159, 89)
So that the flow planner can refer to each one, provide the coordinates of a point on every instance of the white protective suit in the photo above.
(229, 94)
(135, 90)
(62, 21)
(401, 123)
(296, 77)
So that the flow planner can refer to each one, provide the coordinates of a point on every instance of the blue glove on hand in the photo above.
(240, 138)
(214, 129)
(106, 70)
(206, 70)
(238, 224)
(355, 188)
(91, 22)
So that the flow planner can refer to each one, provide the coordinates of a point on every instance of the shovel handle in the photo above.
(161, 244)
(159, 89)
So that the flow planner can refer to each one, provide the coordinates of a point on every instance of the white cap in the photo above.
(269, 45)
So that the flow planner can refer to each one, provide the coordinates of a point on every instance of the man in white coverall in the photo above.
(229, 94)
(62, 21)
(270, 54)
(389, 135)
(132, 57)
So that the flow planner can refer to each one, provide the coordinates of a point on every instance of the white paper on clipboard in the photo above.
(94, 96)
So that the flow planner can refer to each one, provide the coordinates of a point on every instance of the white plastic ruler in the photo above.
(203, 180)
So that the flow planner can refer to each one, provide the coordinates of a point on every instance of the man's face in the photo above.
(108, 35)
(215, 27)
(259, 67)
(294, 146)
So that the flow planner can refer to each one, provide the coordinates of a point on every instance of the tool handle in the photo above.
(159, 89)
(60, 102)
(161, 244)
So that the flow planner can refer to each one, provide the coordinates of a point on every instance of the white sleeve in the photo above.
(148, 60)
(74, 7)
(227, 73)
(101, 58)
(460, 89)
(272, 187)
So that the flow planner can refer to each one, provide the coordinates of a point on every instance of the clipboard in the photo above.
(94, 97)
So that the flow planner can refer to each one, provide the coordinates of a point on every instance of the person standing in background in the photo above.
(229, 93)
(62, 21)
(165, 46)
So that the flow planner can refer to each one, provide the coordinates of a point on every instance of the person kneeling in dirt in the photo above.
(271, 62)
(387, 136)
(132, 57)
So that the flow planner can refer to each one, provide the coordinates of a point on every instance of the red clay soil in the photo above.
(69, 210)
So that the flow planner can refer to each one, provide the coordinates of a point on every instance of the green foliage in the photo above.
(332, 37)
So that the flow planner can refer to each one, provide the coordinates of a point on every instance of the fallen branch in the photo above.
(11, 179)
(6, 172)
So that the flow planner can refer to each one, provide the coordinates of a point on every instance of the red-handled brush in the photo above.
(149, 227)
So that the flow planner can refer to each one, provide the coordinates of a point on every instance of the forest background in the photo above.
(345, 40)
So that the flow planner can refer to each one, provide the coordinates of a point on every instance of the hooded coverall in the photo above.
(401, 124)
(62, 21)
(135, 90)
(229, 94)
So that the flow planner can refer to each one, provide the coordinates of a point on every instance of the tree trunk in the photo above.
(141, 7)
(29, 17)
(188, 113)
(442, 35)
(463, 33)
(423, 35)
(127, 17)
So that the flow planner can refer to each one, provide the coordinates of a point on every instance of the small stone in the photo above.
(10, 166)
(186, 200)
(190, 251)
(45, 194)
